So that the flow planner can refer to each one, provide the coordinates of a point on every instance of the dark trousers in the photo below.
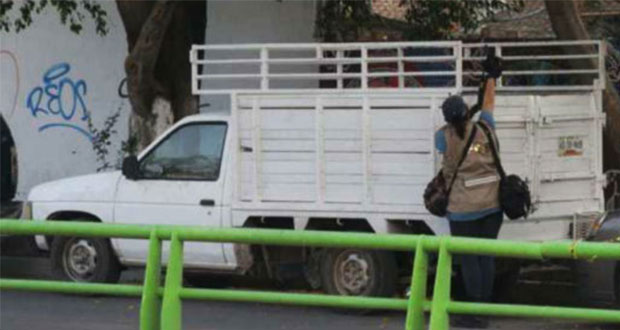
(478, 271)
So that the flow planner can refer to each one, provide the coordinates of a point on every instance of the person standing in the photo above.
(473, 207)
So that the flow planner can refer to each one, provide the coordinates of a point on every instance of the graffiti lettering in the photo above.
(60, 97)
(15, 66)
(122, 89)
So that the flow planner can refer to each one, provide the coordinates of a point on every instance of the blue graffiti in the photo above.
(48, 100)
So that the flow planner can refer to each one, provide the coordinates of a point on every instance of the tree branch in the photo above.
(567, 25)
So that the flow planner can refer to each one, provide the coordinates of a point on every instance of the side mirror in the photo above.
(131, 168)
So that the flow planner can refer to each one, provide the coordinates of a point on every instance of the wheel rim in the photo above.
(80, 259)
(352, 271)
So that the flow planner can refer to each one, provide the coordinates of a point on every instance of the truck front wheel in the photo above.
(353, 272)
(84, 259)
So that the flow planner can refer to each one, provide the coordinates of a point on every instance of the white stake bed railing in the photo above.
(445, 65)
(347, 130)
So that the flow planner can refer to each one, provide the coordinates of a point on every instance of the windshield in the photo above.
(192, 152)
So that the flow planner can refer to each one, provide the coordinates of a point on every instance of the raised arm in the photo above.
(488, 101)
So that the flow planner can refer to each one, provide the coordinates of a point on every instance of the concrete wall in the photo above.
(257, 21)
(51, 136)
(53, 83)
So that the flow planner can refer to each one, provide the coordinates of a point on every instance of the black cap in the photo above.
(454, 109)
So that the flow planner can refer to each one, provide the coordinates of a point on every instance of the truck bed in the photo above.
(375, 153)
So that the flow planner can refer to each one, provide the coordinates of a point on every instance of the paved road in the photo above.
(46, 311)
(25, 311)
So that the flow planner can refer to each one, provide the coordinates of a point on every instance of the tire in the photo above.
(84, 259)
(355, 272)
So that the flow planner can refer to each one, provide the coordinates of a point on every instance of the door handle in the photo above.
(207, 202)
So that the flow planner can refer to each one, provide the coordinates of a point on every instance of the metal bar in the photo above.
(533, 43)
(366, 151)
(339, 68)
(441, 304)
(458, 52)
(151, 305)
(536, 72)
(264, 69)
(534, 57)
(586, 314)
(193, 59)
(171, 313)
(329, 46)
(256, 148)
(537, 88)
(441, 295)
(393, 91)
(71, 287)
(296, 299)
(319, 152)
(462, 245)
(401, 67)
(602, 54)
(417, 297)
(235, 140)
(331, 75)
(364, 65)
(309, 60)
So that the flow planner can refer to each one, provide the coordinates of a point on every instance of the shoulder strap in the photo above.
(491, 139)
(463, 156)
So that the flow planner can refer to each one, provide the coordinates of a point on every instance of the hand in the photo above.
(493, 66)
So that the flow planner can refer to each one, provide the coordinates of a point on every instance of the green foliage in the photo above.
(341, 20)
(602, 27)
(101, 140)
(441, 19)
(18, 15)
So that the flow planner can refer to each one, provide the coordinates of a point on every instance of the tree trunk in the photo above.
(159, 36)
(567, 25)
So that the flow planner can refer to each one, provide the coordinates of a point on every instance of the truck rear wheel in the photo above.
(354, 272)
(84, 259)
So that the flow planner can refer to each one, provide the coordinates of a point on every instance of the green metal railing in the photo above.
(161, 306)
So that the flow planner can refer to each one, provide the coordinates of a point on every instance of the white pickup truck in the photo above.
(337, 137)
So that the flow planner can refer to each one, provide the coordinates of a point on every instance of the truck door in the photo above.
(180, 183)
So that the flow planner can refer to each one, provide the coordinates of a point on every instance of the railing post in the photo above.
(417, 297)
(457, 51)
(171, 305)
(150, 306)
(441, 296)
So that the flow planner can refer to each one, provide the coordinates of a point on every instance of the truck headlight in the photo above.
(27, 211)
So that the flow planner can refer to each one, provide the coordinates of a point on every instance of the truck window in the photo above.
(192, 152)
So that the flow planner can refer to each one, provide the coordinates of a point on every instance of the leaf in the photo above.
(73, 12)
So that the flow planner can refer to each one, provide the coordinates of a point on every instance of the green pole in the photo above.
(150, 307)
(417, 297)
(171, 305)
(303, 299)
(130, 290)
(441, 296)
